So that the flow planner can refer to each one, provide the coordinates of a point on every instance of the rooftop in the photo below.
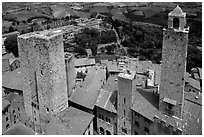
(84, 62)
(13, 79)
(71, 121)
(19, 129)
(111, 83)
(129, 75)
(193, 97)
(104, 102)
(146, 104)
(193, 118)
(46, 34)
(177, 12)
(194, 83)
(87, 94)
(10, 34)
(5, 103)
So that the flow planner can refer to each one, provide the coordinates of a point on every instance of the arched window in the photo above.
(108, 132)
(101, 131)
(176, 23)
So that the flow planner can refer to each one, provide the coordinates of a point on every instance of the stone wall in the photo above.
(174, 55)
(125, 92)
(42, 55)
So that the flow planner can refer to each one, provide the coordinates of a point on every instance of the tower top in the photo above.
(177, 20)
(177, 12)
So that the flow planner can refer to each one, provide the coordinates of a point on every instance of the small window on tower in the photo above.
(169, 106)
(47, 109)
(176, 23)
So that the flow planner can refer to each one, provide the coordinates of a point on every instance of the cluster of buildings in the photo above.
(124, 96)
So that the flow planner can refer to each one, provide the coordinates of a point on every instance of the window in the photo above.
(13, 111)
(47, 109)
(169, 106)
(108, 132)
(102, 117)
(7, 118)
(99, 116)
(176, 22)
(137, 124)
(101, 131)
(124, 112)
(7, 126)
(18, 109)
(124, 130)
(106, 119)
(146, 130)
(109, 120)
(14, 122)
(35, 119)
(124, 100)
(136, 133)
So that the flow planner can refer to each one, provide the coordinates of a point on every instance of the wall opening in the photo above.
(108, 132)
(176, 23)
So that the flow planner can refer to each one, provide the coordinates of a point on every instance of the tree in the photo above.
(11, 45)
(11, 29)
(110, 49)
(80, 50)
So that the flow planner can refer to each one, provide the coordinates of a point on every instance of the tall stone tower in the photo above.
(42, 58)
(126, 89)
(174, 55)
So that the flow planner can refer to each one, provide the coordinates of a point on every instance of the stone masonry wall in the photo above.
(174, 56)
(43, 56)
(125, 90)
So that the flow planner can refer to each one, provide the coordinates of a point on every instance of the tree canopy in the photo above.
(11, 45)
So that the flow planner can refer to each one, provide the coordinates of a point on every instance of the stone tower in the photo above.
(174, 55)
(42, 58)
(126, 89)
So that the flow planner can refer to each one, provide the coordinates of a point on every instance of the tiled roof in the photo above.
(177, 12)
(5, 103)
(104, 102)
(112, 66)
(10, 34)
(146, 104)
(194, 83)
(13, 79)
(19, 129)
(193, 97)
(192, 117)
(87, 94)
(71, 121)
(84, 62)
(111, 83)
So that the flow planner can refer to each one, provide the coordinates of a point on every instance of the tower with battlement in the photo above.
(45, 91)
(174, 55)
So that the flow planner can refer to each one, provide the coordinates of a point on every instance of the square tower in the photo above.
(42, 55)
(126, 89)
(174, 55)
